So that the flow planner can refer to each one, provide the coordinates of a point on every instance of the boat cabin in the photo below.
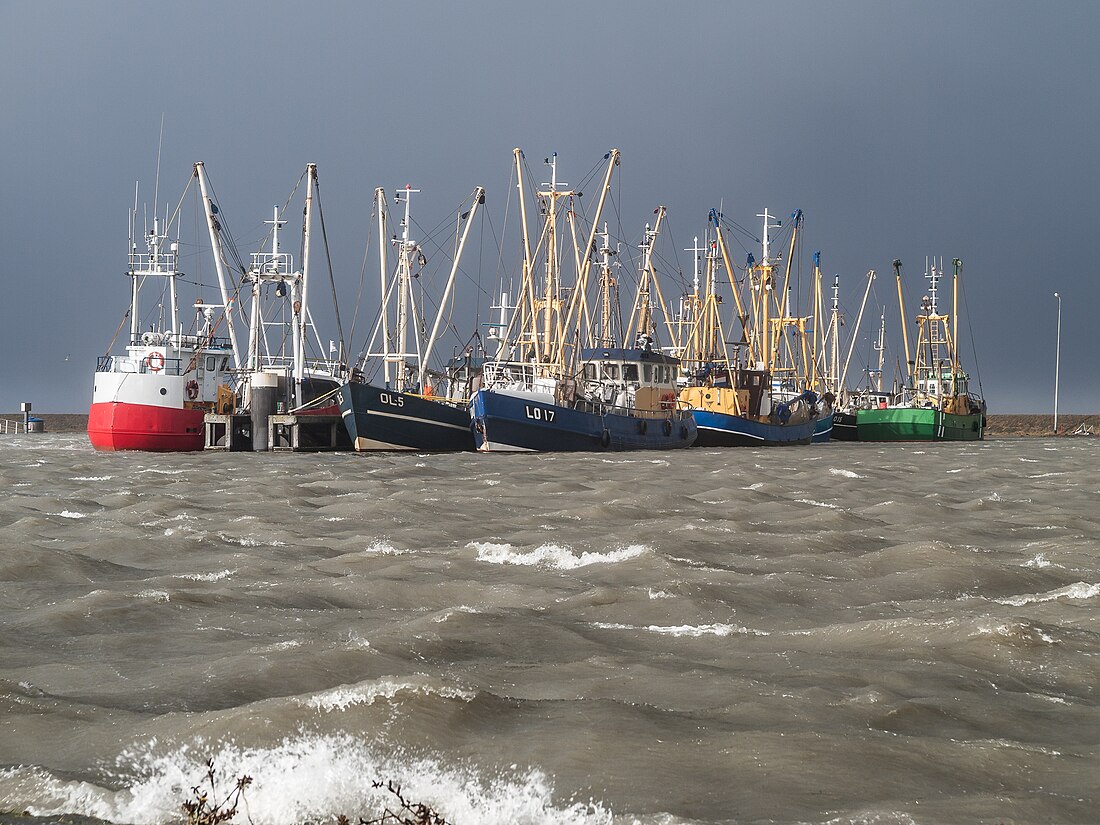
(630, 378)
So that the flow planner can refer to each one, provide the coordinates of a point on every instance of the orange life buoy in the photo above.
(668, 401)
(192, 389)
(155, 361)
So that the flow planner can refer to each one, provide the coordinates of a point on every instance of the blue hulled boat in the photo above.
(625, 399)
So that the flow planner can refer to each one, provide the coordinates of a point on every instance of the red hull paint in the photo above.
(117, 426)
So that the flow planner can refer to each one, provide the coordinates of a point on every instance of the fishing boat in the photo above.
(937, 404)
(413, 407)
(288, 367)
(154, 393)
(864, 396)
(752, 398)
(541, 392)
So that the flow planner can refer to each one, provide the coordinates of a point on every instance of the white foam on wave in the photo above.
(552, 555)
(384, 548)
(1039, 561)
(818, 503)
(91, 478)
(70, 514)
(307, 778)
(1076, 591)
(367, 693)
(845, 473)
(250, 541)
(688, 630)
(206, 577)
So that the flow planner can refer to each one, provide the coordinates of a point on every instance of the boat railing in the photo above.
(140, 366)
(269, 264)
(678, 411)
(162, 262)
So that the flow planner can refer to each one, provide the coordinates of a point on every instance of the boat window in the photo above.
(610, 372)
(590, 372)
(647, 369)
(225, 363)
(211, 362)
(630, 372)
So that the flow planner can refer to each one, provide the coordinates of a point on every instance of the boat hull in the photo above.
(115, 425)
(918, 424)
(844, 427)
(823, 428)
(722, 430)
(512, 423)
(380, 419)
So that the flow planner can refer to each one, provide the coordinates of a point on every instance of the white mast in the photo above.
(479, 196)
(380, 205)
(404, 286)
(834, 343)
(880, 348)
(213, 227)
(299, 293)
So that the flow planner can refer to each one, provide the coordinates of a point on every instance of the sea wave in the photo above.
(552, 555)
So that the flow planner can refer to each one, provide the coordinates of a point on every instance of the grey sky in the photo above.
(901, 129)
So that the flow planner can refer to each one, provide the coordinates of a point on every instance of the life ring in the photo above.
(155, 361)
(668, 401)
(605, 439)
(192, 389)
(643, 425)
(667, 427)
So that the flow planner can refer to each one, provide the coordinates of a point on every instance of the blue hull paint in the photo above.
(380, 419)
(509, 423)
(721, 430)
(823, 431)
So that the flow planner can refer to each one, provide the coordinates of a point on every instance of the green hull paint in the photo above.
(917, 424)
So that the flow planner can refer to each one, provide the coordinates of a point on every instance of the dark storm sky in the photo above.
(900, 129)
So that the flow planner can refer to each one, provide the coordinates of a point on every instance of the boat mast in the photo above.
(468, 217)
(213, 227)
(406, 248)
(380, 205)
(766, 286)
(607, 283)
(834, 339)
(859, 321)
(300, 290)
(957, 266)
(742, 315)
(904, 327)
(880, 348)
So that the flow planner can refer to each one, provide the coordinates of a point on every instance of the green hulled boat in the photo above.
(938, 404)
(918, 424)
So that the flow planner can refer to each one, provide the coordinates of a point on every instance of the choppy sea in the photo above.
(843, 633)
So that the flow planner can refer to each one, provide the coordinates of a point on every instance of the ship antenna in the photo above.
(160, 143)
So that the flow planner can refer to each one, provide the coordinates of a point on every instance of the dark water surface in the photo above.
(824, 634)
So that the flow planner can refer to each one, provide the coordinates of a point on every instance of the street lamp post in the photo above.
(1057, 359)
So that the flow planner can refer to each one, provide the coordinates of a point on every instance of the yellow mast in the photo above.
(742, 316)
(904, 325)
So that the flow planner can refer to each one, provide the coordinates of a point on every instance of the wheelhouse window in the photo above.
(630, 372)
(211, 363)
(647, 370)
(590, 372)
(610, 371)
